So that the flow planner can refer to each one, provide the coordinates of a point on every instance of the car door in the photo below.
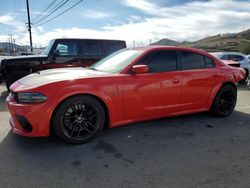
(198, 79)
(156, 93)
(66, 55)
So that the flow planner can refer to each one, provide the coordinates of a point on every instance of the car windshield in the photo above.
(48, 48)
(117, 61)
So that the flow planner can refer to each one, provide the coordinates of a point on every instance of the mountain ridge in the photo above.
(239, 42)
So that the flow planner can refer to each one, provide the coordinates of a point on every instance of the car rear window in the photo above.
(236, 57)
(160, 61)
(112, 46)
(92, 48)
(209, 62)
(192, 60)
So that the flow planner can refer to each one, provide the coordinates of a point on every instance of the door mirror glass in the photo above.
(56, 53)
(140, 69)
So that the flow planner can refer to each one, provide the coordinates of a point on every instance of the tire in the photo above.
(14, 77)
(78, 119)
(225, 101)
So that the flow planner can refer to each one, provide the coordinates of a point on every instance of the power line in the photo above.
(59, 14)
(49, 6)
(55, 9)
(21, 35)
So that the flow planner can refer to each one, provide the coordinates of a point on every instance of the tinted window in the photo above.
(67, 48)
(192, 61)
(209, 62)
(224, 57)
(111, 46)
(160, 61)
(236, 57)
(92, 48)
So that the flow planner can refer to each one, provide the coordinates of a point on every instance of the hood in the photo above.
(23, 58)
(55, 75)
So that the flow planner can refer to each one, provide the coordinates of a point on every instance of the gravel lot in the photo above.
(188, 151)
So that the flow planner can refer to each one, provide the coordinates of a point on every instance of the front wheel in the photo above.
(79, 119)
(225, 101)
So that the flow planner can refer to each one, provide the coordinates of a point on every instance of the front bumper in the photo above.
(33, 113)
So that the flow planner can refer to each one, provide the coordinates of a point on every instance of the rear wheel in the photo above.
(225, 101)
(79, 119)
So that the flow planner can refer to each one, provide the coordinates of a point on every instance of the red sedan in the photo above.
(133, 84)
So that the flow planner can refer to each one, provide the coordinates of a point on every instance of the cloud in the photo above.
(189, 21)
(6, 19)
(95, 14)
(10, 20)
(143, 5)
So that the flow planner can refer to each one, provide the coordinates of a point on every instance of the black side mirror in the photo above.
(56, 53)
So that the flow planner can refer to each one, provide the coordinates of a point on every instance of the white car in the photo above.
(237, 57)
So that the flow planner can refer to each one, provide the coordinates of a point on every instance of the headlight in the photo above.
(30, 97)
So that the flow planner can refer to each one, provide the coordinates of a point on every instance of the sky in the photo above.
(139, 22)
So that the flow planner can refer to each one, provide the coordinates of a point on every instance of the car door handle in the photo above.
(176, 81)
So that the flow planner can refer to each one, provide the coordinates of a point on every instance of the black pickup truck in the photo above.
(59, 53)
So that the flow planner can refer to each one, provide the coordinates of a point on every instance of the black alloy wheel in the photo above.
(79, 119)
(225, 101)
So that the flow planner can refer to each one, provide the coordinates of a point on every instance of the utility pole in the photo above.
(9, 47)
(29, 25)
(11, 44)
(14, 48)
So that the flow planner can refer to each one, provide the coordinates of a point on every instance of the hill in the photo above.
(239, 42)
(166, 42)
(8, 45)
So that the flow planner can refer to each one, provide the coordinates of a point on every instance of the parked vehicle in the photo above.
(130, 85)
(235, 56)
(231, 63)
(59, 53)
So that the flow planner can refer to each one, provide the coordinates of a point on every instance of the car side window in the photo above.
(160, 61)
(111, 46)
(209, 62)
(92, 48)
(192, 60)
(224, 57)
(67, 48)
(236, 57)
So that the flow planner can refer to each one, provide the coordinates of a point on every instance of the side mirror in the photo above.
(140, 69)
(56, 53)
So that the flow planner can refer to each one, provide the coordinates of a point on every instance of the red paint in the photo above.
(130, 97)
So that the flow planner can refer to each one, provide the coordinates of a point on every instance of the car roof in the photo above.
(87, 39)
(166, 47)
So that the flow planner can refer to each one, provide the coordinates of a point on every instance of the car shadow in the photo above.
(165, 129)
(127, 148)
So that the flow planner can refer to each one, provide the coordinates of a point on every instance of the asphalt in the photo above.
(188, 151)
